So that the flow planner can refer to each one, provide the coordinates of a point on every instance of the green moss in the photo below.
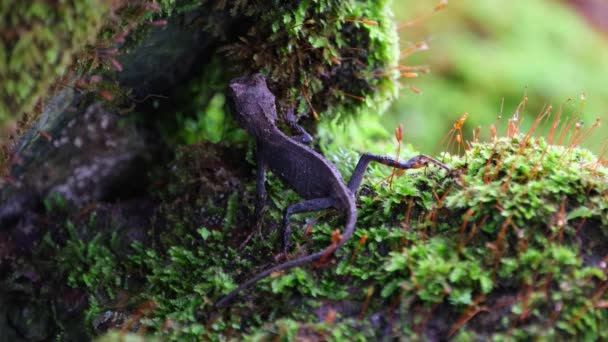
(345, 47)
(482, 55)
(529, 180)
(336, 54)
(508, 241)
(202, 114)
(511, 247)
(332, 52)
(523, 200)
(292, 330)
(37, 44)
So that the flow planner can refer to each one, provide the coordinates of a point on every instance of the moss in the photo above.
(536, 214)
(511, 248)
(327, 58)
(37, 45)
(333, 56)
(334, 53)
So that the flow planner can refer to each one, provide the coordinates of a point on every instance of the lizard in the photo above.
(316, 180)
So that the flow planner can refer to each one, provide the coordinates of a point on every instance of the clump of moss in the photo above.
(324, 57)
(536, 215)
(38, 41)
(329, 59)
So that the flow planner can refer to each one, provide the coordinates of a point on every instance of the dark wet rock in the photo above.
(7, 331)
(102, 155)
(15, 206)
(89, 153)
(128, 219)
(32, 321)
(383, 323)
(95, 156)
(166, 57)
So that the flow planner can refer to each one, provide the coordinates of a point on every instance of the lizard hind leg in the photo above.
(315, 204)
(413, 163)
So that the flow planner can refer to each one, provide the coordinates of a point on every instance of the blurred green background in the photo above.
(482, 52)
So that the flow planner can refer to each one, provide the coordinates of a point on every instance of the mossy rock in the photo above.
(511, 246)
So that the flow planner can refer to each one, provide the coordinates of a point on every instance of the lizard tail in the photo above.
(351, 220)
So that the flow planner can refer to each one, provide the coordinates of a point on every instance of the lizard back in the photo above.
(303, 169)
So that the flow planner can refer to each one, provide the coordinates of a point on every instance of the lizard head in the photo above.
(253, 105)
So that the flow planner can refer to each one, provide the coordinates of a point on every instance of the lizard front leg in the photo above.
(302, 136)
(414, 163)
(260, 199)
